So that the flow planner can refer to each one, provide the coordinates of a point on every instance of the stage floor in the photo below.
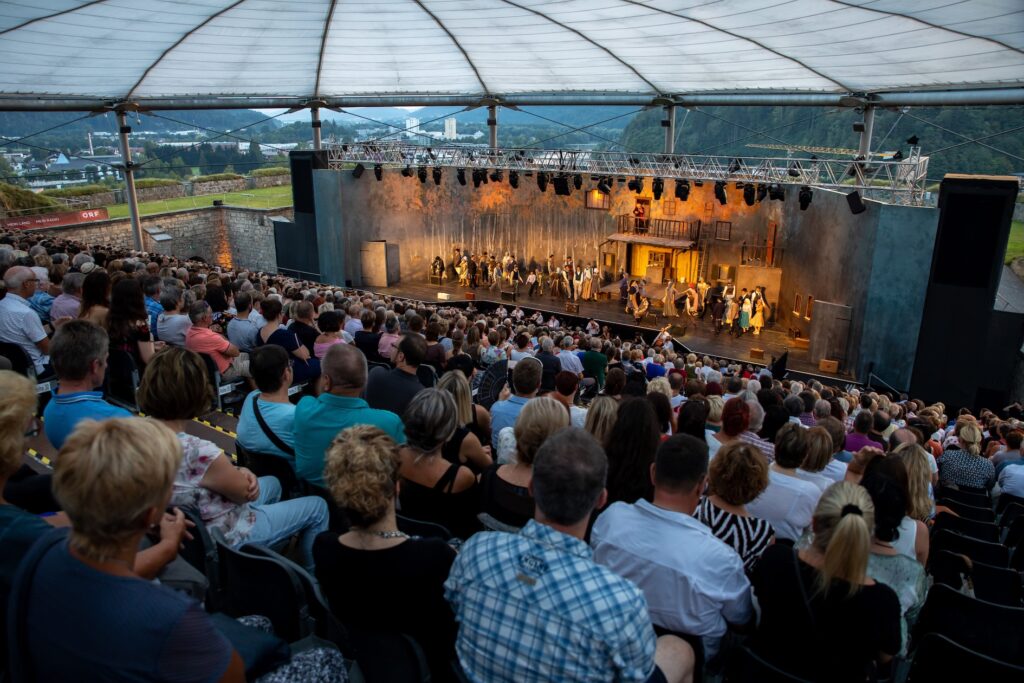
(697, 336)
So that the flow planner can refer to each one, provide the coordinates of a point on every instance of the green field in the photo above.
(1015, 247)
(263, 198)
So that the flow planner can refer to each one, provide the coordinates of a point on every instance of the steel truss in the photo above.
(899, 181)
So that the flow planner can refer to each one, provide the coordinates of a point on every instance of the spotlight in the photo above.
(477, 173)
(682, 190)
(561, 183)
(378, 171)
(720, 192)
(735, 165)
(794, 170)
(805, 197)
(421, 173)
(739, 185)
(698, 183)
(407, 172)
(496, 175)
(749, 194)
(856, 203)
(577, 181)
(777, 192)
(357, 172)
(460, 175)
(858, 126)
(602, 186)
(912, 140)
(483, 176)
(513, 179)
(658, 186)
(636, 184)
(898, 155)
(762, 191)
(542, 181)
(437, 175)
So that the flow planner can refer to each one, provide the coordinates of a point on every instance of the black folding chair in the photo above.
(427, 375)
(22, 364)
(992, 584)
(983, 531)
(993, 630)
(201, 553)
(747, 667)
(939, 658)
(966, 497)
(268, 465)
(220, 387)
(979, 514)
(1007, 499)
(994, 554)
(1014, 533)
(390, 656)
(121, 383)
(1010, 513)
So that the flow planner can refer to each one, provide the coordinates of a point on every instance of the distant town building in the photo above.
(412, 127)
(449, 128)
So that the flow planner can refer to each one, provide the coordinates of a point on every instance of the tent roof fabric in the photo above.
(129, 50)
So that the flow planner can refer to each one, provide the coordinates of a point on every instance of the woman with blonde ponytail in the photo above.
(822, 598)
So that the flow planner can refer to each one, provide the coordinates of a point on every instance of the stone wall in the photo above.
(251, 236)
(218, 186)
(151, 194)
(269, 180)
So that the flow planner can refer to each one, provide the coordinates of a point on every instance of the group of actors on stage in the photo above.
(576, 282)
(736, 313)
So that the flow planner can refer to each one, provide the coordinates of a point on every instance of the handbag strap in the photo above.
(274, 438)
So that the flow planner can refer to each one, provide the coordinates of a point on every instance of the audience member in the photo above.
(964, 465)
(127, 322)
(788, 502)
(267, 419)
(172, 325)
(835, 470)
(858, 438)
(244, 328)
(304, 367)
(19, 324)
(601, 418)
(526, 378)
(68, 303)
(393, 389)
(231, 363)
(630, 447)
(817, 458)
(566, 384)
(472, 416)
(95, 297)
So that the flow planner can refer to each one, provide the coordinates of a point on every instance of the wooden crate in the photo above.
(828, 365)
(757, 354)
(470, 296)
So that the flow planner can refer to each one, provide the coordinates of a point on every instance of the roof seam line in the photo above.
(176, 43)
(457, 44)
(590, 40)
(741, 37)
(51, 16)
(323, 47)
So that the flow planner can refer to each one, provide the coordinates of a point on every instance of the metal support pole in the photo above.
(864, 150)
(492, 123)
(129, 178)
(314, 112)
(670, 129)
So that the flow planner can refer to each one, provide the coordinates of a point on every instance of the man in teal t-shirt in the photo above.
(318, 420)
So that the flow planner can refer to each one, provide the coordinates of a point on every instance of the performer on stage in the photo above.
(437, 268)
(757, 320)
(569, 270)
(717, 311)
(692, 299)
(669, 302)
(517, 279)
(702, 291)
(732, 311)
(464, 272)
(588, 284)
(472, 265)
(531, 282)
(641, 309)
(623, 286)
(745, 309)
(729, 292)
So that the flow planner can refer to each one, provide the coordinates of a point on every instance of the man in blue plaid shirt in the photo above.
(535, 607)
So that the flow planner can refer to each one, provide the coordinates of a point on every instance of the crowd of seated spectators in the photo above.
(622, 510)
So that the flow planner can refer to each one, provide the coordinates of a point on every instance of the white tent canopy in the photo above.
(55, 52)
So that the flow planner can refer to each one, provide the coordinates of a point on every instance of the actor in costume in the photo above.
(669, 302)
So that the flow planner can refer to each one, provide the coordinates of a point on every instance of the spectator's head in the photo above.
(78, 352)
(72, 284)
(303, 312)
(601, 417)
(329, 322)
(919, 479)
(1014, 440)
(880, 421)
(270, 309)
(170, 299)
(822, 409)
(95, 290)
(793, 405)
(361, 471)
(614, 382)
(243, 302)
(430, 421)
(21, 280)
(569, 472)
(113, 479)
(862, 423)
(457, 385)
(734, 385)
(790, 446)
(738, 474)
(410, 352)
(526, 376)
(368, 319)
(693, 416)
(343, 370)
(859, 463)
(735, 416)
(969, 437)
(890, 501)
(271, 368)
(127, 306)
(808, 399)
(151, 286)
(16, 410)
(175, 385)
(662, 410)
(539, 419)
(819, 449)
(566, 384)
(843, 523)
(200, 314)
(836, 432)
(680, 468)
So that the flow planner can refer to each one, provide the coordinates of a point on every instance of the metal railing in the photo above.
(900, 181)
(761, 255)
(627, 224)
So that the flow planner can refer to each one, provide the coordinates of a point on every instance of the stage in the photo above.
(697, 335)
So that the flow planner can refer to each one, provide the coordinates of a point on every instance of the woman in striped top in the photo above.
(737, 475)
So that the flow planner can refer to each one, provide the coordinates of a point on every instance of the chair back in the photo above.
(1010, 513)
(20, 362)
(1015, 532)
(747, 666)
(122, 380)
(427, 375)
(979, 551)
(983, 531)
(940, 659)
(390, 656)
(979, 514)
(262, 585)
(416, 527)
(201, 553)
(993, 630)
(993, 584)
(1006, 500)
(966, 497)
(268, 465)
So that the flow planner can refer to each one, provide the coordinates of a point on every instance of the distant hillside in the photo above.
(571, 115)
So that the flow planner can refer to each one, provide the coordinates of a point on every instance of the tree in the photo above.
(7, 174)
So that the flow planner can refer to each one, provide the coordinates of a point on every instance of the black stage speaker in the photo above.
(959, 356)
(508, 296)
(856, 203)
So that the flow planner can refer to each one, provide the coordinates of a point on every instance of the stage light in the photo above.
(636, 185)
(805, 197)
(913, 140)
(777, 192)
(602, 186)
(437, 175)
(720, 192)
(739, 185)
(698, 183)
(898, 155)
(657, 187)
(407, 172)
(357, 172)
(542, 181)
(858, 126)
(762, 191)
(682, 190)
(476, 177)
(735, 165)
(496, 175)
(460, 175)
(421, 173)
(577, 181)
(561, 183)
(513, 179)
(794, 170)
(749, 194)
(378, 171)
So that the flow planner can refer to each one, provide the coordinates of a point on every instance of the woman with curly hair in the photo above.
(737, 475)
(375, 577)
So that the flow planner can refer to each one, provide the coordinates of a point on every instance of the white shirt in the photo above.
(1011, 480)
(577, 416)
(694, 583)
(788, 504)
(906, 541)
(570, 362)
(835, 470)
(20, 325)
(713, 444)
(353, 325)
(819, 479)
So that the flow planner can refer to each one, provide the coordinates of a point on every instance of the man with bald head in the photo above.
(318, 420)
(19, 324)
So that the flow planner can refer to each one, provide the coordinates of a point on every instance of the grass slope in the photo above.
(263, 198)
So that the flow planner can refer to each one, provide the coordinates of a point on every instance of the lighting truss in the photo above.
(899, 181)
